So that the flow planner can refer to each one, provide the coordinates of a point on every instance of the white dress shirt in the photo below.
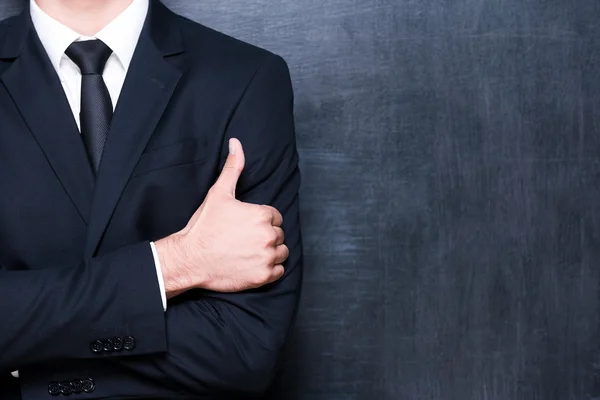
(121, 35)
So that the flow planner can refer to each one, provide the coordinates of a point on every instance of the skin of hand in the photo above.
(227, 245)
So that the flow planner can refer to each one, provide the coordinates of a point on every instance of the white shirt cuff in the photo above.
(15, 374)
(161, 282)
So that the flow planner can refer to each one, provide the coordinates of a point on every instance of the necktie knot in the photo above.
(90, 56)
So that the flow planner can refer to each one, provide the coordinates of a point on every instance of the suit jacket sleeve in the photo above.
(222, 345)
(63, 312)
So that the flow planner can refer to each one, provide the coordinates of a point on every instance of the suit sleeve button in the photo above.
(88, 385)
(117, 343)
(128, 343)
(65, 388)
(107, 345)
(54, 388)
(76, 386)
(96, 346)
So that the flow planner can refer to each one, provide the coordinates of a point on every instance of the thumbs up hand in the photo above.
(228, 245)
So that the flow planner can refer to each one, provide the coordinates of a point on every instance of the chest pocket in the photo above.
(184, 152)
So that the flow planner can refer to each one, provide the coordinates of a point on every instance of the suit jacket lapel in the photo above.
(38, 94)
(150, 82)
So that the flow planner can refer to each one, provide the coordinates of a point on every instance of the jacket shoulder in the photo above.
(6, 26)
(6, 22)
(202, 42)
(7, 38)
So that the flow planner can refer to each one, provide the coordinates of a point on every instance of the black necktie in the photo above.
(96, 107)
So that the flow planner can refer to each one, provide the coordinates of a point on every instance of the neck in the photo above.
(86, 17)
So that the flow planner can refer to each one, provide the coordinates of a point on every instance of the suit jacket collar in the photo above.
(164, 29)
(35, 88)
(153, 79)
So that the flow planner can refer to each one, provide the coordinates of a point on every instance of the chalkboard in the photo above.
(451, 194)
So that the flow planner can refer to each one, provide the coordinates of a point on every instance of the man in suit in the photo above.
(124, 184)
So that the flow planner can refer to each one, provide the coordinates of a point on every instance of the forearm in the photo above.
(221, 345)
(59, 312)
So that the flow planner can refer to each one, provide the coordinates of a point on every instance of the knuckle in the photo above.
(270, 236)
(285, 251)
(278, 215)
(265, 214)
(261, 276)
(279, 272)
(230, 165)
(270, 256)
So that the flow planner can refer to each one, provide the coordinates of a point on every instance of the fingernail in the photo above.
(231, 147)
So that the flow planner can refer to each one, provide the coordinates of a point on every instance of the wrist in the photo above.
(174, 271)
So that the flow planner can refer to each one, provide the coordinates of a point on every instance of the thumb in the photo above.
(233, 168)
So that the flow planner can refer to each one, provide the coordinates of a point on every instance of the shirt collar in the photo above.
(121, 34)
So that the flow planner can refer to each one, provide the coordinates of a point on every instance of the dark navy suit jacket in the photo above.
(79, 298)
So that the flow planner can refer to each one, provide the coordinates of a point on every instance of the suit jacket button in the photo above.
(96, 346)
(76, 386)
(88, 385)
(117, 343)
(107, 345)
(54, 388)
(65, 388)
(128, 343)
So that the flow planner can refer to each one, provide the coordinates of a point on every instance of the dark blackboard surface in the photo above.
(451, 195)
